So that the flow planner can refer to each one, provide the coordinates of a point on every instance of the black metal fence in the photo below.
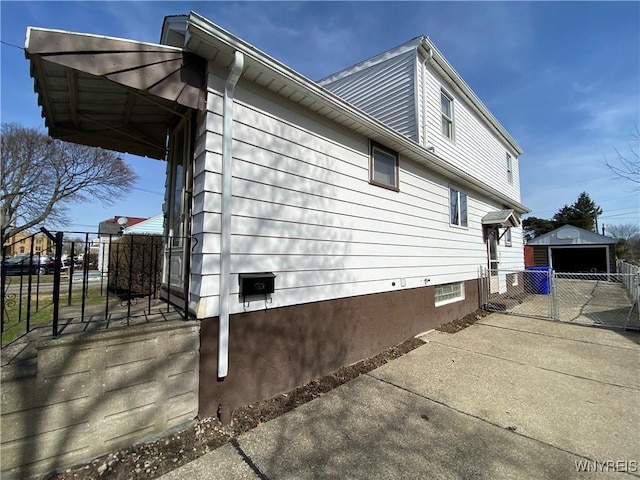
(58, 279)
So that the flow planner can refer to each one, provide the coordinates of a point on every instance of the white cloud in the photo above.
(610, 115)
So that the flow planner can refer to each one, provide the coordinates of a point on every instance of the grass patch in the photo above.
(41, 309)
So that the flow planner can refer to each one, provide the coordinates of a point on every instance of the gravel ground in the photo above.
(153, 459)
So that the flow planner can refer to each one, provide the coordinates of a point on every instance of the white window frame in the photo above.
(377, 148)
(509, 169)
(449, 293)
(460, 194)
(507, 238)
(448, 118)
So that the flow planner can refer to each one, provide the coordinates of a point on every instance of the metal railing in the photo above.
(631, 278)
(87, 278)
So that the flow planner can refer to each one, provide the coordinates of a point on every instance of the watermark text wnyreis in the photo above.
(629, 466)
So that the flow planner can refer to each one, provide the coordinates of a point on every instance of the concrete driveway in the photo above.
(509, 397)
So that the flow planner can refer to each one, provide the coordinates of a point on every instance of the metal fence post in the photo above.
(3, 291)
(56, 282)
(553, 297)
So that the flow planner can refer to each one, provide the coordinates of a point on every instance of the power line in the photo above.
(11, 45)
(148, 191)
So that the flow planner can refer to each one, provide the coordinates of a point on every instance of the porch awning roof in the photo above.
(113, 93)
(501, 218)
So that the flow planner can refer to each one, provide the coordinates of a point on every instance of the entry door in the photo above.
(177, 207)
(494, 263)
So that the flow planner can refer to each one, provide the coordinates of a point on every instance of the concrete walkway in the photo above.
(509, 397)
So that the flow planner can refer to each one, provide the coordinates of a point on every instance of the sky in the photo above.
(562, 77)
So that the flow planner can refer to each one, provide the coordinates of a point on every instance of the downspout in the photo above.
(424, 98)
(225, 220)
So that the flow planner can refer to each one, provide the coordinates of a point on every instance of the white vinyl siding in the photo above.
(476, 150)
(385, 91)
(303, 208)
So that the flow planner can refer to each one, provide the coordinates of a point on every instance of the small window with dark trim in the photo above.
(383, 167)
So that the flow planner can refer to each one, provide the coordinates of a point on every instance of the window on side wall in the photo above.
(449, 293)
(446, 105)
(507, 237)
(509, 169)
(383, 167)
(457, 207)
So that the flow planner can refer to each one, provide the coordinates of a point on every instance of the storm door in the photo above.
(492, 251)
(177, 207)
(498, 278)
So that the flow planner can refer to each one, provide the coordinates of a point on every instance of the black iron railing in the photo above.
(85, 277)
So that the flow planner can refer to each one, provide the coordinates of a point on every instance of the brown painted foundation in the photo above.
(276, 350)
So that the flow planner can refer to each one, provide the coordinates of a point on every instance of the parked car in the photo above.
(25, 265)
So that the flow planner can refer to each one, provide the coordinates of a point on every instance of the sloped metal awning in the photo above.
(501, 218)
(113, 93)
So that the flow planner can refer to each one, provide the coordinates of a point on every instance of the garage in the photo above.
(573, 249)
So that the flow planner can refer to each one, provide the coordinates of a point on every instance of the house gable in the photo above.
(385, 87)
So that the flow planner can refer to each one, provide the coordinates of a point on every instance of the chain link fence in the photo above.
(600, 299)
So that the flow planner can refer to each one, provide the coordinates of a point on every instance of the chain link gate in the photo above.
(597, 299)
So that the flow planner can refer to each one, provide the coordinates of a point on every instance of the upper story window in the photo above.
(383, 167)
(509, 169)
(446, 105)
(457, 207)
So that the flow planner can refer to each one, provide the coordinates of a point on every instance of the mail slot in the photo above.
(256, 283)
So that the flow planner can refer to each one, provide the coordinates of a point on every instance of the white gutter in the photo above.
(225, 221)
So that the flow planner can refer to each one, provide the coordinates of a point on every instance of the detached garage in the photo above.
(573, 249)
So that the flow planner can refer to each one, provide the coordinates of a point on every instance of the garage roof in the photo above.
(570, 235)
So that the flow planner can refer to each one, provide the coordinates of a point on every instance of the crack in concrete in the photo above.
(247, 459)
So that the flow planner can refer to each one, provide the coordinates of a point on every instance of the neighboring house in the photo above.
(21, 244)
(107, 230)
(153, 225)
(308, 233)
(573, 249)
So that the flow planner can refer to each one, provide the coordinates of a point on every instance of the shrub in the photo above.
(135, 264)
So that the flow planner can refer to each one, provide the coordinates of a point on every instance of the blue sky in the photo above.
(562, 77)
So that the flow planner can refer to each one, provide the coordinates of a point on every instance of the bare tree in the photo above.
(627, 166)
(41, 177)
(625, 231)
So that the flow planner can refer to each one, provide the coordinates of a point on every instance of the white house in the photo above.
(153, 225)
(313, 224)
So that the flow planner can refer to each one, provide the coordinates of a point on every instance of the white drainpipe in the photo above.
(424, 98)
(225, 220)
